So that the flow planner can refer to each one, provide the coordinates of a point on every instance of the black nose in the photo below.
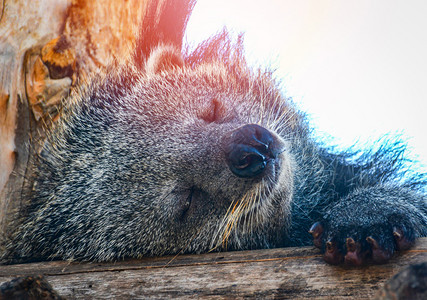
(249, 150)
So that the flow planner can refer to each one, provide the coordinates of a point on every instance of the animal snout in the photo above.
(249, 149)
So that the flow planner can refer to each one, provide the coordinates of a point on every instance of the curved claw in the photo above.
(316, 231)
(402, 241)
(332, 255)
(379, 255)
(353, 256)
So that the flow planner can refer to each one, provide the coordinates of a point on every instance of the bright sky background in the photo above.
(359, 68)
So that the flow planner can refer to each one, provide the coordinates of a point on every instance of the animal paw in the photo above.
(367, 228)
(360, 248)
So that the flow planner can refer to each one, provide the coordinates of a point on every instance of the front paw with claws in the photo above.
(367, 228)
(339, 250)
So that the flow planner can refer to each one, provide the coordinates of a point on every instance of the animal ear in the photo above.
(163, 23)
(163, 58)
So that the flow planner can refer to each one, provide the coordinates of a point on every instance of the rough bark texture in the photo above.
(290, 273)
(46, 47)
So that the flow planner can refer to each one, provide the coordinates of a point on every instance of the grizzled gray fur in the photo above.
(187, 153)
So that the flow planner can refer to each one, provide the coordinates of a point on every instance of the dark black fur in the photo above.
(139, 165)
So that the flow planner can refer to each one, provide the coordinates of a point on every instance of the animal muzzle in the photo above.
(250, 148)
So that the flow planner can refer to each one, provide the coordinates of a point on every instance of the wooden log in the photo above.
(288, 273)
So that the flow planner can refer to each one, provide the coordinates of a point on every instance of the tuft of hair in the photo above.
(386, 161)
(164, 22)
(220, 47)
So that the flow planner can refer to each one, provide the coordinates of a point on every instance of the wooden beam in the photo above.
(288, 273)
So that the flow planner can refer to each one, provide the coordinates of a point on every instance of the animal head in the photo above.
(199, 148)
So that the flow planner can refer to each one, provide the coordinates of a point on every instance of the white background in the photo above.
(359, 68)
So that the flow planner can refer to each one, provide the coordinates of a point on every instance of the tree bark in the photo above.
(289, 273)
(46, 48)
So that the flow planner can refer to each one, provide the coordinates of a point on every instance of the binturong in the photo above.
(179, 151)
